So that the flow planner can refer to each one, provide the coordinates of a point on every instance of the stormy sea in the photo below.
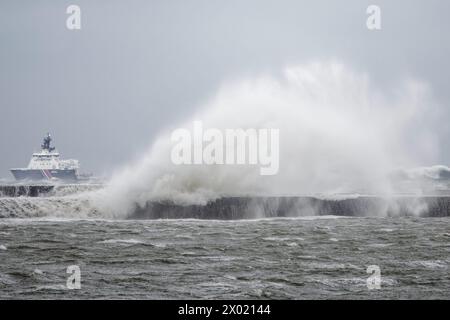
(354, 207)
(235, 248)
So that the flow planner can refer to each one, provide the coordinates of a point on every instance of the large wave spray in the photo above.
(339, 133)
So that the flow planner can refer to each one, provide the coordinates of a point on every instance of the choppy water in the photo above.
(299, 258)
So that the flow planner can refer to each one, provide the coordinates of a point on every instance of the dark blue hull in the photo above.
(50, 174)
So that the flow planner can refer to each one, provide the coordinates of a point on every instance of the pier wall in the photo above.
(265, 207)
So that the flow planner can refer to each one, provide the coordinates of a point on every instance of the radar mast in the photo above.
(46, 144)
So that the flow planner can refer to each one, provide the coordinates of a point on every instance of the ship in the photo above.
(47, 165)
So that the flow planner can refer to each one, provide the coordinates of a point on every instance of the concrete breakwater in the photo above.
(42, 200)
(265, 207)
(25, 190)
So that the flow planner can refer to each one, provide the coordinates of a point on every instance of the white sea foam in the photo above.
(380, 245)
(282, 239)
(292, 244)
(387, 230)
(125, 241)
(429, 264)
(38, 271)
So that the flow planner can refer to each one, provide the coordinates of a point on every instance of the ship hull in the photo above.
(44, 174)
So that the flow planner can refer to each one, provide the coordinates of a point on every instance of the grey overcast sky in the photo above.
(136, 66)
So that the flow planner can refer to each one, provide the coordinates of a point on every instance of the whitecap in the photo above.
(125, 241)
(38, 271)
(276, 239)
(380, 245)
(159, 245)
(283, 239)
(387, 230)
(430, 264)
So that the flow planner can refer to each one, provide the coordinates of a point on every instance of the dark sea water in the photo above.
(299, 258)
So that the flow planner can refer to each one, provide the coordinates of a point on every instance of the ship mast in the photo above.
(46, 144)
